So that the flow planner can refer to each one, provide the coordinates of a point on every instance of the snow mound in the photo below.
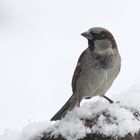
(116, 120)
(98, 117)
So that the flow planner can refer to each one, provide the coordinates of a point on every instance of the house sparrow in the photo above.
(96, 69)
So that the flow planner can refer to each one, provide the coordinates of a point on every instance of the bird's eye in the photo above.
(98, 36)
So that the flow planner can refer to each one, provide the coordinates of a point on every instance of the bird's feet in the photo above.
(111, 102)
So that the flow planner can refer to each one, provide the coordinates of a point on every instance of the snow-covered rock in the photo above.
(98, 118)
(101, 120)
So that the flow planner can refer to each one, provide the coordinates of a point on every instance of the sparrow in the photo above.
(96, 70)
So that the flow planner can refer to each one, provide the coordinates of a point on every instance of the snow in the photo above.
(71, 127)
(120, 122)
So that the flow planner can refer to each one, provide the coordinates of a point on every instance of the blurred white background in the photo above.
(40, 43)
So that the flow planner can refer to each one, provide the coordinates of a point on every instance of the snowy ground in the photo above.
(124, 119)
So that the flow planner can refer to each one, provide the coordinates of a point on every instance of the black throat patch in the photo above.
(91, 45)
(103, 62)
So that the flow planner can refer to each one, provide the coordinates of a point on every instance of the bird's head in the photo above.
(100, 41)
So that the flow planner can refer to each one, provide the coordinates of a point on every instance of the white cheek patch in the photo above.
(102, 43)
(103, 46)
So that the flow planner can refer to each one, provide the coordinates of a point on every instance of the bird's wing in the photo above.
(78, 70)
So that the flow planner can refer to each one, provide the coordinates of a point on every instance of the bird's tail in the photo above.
(68, 106)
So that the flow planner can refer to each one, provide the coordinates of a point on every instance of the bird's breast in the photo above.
(96, 81)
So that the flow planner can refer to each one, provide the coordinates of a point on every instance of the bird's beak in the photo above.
(87, 35)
